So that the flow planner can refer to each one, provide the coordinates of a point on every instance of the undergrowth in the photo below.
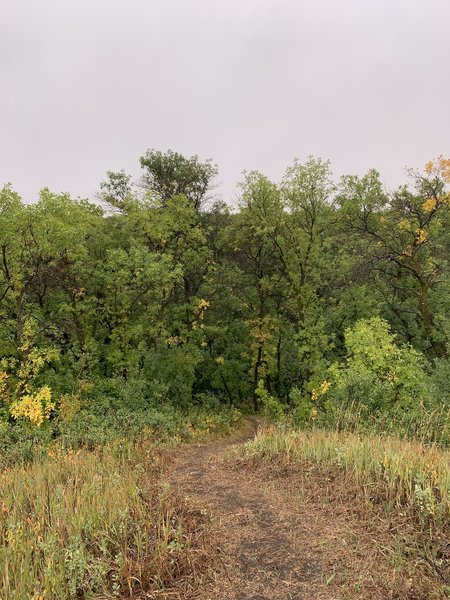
(21, 443)
(91, 514)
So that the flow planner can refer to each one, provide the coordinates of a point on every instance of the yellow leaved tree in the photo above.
(19, 387)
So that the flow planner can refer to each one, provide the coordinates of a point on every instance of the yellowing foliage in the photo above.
(35, 407)
(3, 386)
(69, 406)
(407, 252)
(27, 400)
(440, 167)
(175, 340)
(316, 393)
(421, 236)
(429, 205)
(429, 167)
(203, 304)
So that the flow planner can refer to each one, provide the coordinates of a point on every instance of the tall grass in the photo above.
(398, 473)
(94, 524)
(426, 426)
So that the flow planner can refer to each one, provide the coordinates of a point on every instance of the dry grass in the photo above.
(395, 493)
(304, 514)
(99, 524)
(400, 474)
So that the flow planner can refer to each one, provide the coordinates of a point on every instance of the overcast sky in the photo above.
(89, 85)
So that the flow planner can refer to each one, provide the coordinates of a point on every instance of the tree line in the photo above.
(326, 299)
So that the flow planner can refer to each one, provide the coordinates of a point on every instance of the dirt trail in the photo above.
(269, 550)
(292, 532)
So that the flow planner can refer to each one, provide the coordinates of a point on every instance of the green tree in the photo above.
(403, 241)
(305, 244)
(116, 189)
(169, 174)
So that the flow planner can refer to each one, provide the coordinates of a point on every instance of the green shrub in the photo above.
(380, 386)
(271, 407)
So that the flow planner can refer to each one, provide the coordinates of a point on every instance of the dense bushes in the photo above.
(114, 409)
(379, 386)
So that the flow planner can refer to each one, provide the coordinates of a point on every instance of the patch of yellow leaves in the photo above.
(421, 236)
(34, 407)
(320, 391)
(439, 167)
(175, 340)
(3, 386)
(203, 304)
(429, 205)
(408, 251)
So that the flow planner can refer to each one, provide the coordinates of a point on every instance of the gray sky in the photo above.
(89, 85)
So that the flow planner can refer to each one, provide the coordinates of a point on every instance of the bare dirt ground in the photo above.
(285, 535)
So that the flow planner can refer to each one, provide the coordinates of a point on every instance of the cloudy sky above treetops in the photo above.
(89, 85)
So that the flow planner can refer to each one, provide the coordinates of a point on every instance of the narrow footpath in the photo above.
(270, 547)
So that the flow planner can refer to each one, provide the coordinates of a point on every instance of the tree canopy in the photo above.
(304, 290)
